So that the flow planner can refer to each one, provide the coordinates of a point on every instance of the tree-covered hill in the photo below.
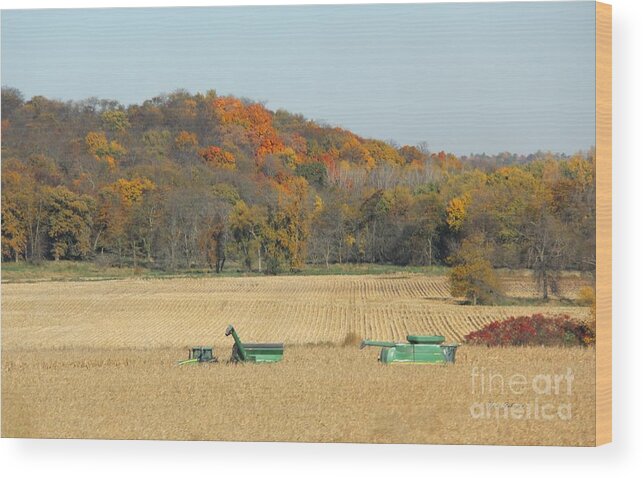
(187, 180)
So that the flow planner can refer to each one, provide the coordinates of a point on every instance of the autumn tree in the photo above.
(247, 226)
(213, 239)
(522, 207)
(353, 151)
(315, 173)
(472, 275)
(14, 202)
(14, 232)
(110, 224)
(253, 120)
(547, 248)
(426, 220)
(156, 144)
(446, 162)
(288, 227)
(573, 202)
(115, 120)
(124, 221)
(217, 157)
(412, 154)
(23, 211)
(381, 222)
(383, 153)
(186, 144)
(68, 223)
(103, 149)
(456, 213)
(12, 99)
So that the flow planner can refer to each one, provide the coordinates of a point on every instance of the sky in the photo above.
(465, 78)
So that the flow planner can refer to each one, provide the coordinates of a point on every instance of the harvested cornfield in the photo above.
(522, 284)
(318, 393)
(295, 310)
(98, 359)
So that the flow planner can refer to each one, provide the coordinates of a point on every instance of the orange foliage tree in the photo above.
(215, 156)
(256, 122)
(186, 141)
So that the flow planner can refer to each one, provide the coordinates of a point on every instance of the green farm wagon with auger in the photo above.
(246, 352)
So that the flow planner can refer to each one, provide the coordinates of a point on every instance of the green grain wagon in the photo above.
(254, 352)
(420, 349)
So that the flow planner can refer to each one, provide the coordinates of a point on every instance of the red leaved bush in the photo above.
(534, 330)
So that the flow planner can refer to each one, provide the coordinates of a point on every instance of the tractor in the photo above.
(201, 354)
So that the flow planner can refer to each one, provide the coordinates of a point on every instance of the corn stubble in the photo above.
(98, 360)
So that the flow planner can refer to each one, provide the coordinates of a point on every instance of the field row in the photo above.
(343, 287)
(295, 310)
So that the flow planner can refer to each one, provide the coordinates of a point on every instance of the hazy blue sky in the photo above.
(463, 77)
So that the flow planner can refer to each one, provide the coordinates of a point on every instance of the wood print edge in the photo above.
(603, 223)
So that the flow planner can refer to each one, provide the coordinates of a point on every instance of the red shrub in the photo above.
(534, 330)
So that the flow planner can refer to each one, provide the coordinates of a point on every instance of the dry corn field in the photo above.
(98, 359)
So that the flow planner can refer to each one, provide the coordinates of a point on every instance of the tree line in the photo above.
(201, 180)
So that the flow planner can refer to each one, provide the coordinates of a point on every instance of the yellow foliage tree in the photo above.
(14, 232)
(132, 190)
(457, 211)
(247, 225)
(355, 152)
(103, 149)
(289, 226)
(383, 153)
